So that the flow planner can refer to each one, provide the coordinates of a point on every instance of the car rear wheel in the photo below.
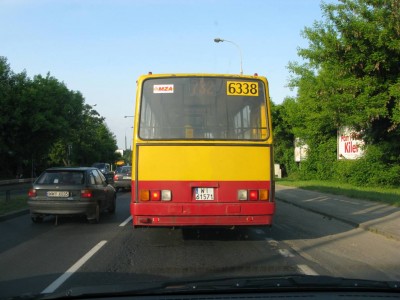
(96, 218)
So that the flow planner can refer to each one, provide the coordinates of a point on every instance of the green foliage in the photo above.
(283, 137)
(320, 160)
(58, 153)
(127, 157)
(370, 170)
(43, 123)
(355, 55)
(95, 143)
(350, 77)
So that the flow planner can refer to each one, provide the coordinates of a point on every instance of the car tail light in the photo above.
(115, 177)
(86, 194)
(32, 193)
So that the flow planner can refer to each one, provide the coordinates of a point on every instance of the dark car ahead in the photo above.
(122, 178)
(71, 191)
(105, 168)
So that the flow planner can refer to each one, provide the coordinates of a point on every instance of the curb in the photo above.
(351, 223)
(364, 227)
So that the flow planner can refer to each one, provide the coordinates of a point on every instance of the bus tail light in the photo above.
(166, 195)
(86, 194)
(155, 195)
(262, 194)
(242, 194)
(144, 195)
(253, 195)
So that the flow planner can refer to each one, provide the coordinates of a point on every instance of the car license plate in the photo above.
(126, 177)
(57, 194)
(204, 193)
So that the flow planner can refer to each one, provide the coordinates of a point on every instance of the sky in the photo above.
(100, 47)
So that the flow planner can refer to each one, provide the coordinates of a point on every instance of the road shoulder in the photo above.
(368, 215)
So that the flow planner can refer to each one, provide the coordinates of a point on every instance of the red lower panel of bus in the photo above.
(221, 214)
(184, 210)
(203, 221)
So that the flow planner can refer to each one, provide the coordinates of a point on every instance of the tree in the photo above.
(283, 136)
(350, 77)
(12, 88)
(96, 142)
(43, 123)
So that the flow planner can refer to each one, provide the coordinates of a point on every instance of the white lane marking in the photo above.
(60, 280)
(271, 241)
(273, 244)
(285, 253)
(306, 270)
(125, 222)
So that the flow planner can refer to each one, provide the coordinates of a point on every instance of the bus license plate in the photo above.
(57, 194)
(204, 193)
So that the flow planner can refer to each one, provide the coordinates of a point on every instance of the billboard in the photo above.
(350, 144)
(300, 150)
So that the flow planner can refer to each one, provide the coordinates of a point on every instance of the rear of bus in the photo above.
(202, 151)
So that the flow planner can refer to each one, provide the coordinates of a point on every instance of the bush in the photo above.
(320, 161)
(371, 170)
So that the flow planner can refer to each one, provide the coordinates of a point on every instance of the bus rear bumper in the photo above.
(202, 221)
(216, 215)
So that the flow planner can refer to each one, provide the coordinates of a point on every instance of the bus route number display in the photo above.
(242, 88)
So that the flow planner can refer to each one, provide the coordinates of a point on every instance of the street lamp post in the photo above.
(125, 137)
(218, 40)
(126, 128)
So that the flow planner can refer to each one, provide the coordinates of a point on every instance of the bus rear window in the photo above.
(203, 108)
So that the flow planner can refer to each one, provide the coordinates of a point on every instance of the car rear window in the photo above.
(61, 177)
(126, 170)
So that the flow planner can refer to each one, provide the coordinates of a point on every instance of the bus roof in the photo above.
(200, 75)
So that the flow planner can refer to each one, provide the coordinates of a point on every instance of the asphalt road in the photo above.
(45, 257)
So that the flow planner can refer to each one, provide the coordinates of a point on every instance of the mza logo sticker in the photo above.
(163, 88)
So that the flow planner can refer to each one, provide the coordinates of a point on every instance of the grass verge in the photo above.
(386, 195)
(14, 204)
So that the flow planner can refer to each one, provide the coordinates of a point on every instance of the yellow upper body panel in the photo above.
(203, 163)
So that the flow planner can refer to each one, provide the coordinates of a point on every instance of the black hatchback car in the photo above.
(122, 178)
(71, 191)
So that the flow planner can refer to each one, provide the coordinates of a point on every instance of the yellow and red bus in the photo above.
(202, 151)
